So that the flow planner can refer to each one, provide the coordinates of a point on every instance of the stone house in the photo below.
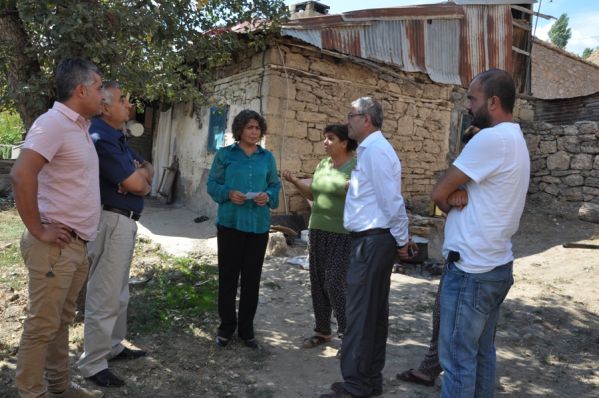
(416, 60)
(556, 73)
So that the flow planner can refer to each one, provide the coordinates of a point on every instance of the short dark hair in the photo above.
(340, 130)
(72, 72)
(371, 107)
(243, 118)
(498, 83)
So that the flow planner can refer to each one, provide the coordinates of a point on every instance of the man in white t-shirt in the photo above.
(493, 171)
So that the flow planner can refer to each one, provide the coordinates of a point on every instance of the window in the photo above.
(217, 127)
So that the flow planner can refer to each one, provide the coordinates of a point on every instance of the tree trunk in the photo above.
(21, 69)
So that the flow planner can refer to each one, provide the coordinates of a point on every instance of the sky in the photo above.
(583, 14)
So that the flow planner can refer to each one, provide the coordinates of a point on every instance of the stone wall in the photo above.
(310, 90)
(558, 74)
(565, 162)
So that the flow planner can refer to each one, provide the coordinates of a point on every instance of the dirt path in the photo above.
(548, 335)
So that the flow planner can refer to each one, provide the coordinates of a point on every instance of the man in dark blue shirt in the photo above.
(125, 179)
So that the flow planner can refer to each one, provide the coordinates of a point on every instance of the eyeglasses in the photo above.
(350, 115)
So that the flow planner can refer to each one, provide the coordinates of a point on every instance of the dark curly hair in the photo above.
(340, 130)
(243, 118)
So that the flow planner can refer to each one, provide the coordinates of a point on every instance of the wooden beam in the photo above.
(520, 51)
(521, 25)
(531, 12)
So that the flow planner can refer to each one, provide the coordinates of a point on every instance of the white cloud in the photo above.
(585, 32)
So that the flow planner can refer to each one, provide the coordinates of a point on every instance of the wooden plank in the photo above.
(520, 51)
(531, 12)
(522, 25)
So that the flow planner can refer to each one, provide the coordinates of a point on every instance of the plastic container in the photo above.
(304, 235)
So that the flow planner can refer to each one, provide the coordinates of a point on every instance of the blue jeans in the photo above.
(469, 312)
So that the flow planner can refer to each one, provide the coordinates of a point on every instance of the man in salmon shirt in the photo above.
(57, 193)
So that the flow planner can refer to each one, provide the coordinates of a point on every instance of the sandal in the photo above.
(315, 341)
(411, 378)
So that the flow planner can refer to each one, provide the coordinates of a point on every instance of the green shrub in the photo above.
(11, 128)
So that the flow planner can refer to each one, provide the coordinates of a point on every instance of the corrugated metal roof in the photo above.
(449, 42)
(493, 2)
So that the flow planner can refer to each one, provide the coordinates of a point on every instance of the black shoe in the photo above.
(105, 378)
(251, 343)
(337, 387)
(221, 341)
(129, 354)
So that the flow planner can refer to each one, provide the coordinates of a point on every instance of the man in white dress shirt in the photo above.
(376, 217)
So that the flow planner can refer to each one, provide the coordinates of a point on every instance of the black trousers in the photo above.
(367, 313)
(240, 254)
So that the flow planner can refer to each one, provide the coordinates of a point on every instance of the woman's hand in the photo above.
(236, 197)
(288, 176)
(261, 199)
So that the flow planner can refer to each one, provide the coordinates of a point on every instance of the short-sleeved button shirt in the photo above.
(116, 165)
(68, 189)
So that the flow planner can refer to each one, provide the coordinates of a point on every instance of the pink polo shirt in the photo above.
(68, 185)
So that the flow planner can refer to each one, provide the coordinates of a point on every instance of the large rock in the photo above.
(558, 161)
(589, 212)
(277, 245)
(574, 180)
(582, 162)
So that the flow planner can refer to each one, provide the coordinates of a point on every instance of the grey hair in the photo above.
(72, 72)
(106, 86)
(371, 107)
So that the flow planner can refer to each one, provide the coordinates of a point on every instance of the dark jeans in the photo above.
(367, 313)
(239, 254)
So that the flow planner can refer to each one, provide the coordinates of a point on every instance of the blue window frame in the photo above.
(217, 127)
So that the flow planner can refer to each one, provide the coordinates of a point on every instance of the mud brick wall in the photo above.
(308, 90)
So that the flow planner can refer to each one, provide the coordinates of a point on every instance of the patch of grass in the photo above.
(179, 292)
(12, 226)
(11, 263)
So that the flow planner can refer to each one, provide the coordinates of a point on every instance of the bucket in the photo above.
(304, 235)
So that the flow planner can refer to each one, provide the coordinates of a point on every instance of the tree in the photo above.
(560, 33)
(165, 50)
(588, 51)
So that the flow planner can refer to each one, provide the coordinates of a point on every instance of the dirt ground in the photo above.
(547, 338)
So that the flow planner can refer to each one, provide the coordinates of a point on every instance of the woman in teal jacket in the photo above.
(243, 181)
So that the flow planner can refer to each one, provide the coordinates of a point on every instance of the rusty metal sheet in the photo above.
(451, 43)
(384, 41)
(345, 40)
(486, 40)
(310, 36)
(442, 54)
(493, 2)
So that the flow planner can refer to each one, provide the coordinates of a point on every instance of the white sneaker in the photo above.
(76, 391)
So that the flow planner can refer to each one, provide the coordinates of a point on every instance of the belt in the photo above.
(77, 237)
(127, 213)
(369, 232)
(453, 256)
